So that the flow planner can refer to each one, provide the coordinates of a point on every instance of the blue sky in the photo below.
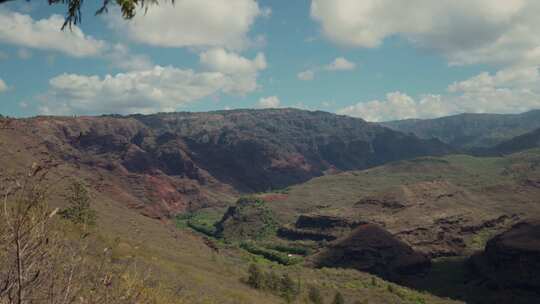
(378, 59)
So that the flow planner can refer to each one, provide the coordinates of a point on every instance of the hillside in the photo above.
(526, 141)
(440, 206)
(164, 186)
(446, 208)
(467, 131)
(188, 266)
(258, 150)
(166, 164)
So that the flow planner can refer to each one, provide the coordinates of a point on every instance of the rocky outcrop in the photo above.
(449, 236)
(511, 259)
(248, 219)
(324, 222)
(380, 202)
(318, 227)
(371, 248)
(294, 234)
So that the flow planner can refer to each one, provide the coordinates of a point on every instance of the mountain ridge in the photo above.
(173, 162)
(470, 130)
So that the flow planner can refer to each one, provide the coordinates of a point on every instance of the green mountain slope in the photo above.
(470, 130)
(440, 206)
(526, 141)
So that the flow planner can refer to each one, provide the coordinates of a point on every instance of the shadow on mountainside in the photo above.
(450, 277)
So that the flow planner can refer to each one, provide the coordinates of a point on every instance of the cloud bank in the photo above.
(152, 90)
(511, 90)
(465, 32)
(44, 34)
(193, 23)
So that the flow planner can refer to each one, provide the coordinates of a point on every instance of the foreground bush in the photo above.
(39, 263)
(283, 285)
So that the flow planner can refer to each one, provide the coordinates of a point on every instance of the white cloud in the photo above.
(220, 60)
(244, 71)
(3, 86)
(466, 32)
(269, 102)
(121, 57)
(340, 64)
(193, 23)
(306, 75)
(146, 91)
(396, 106)
(45, 34)
(511, 90)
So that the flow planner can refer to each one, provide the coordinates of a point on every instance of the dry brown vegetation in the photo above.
(44, 259)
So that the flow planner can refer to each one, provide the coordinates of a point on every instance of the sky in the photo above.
(374, 59)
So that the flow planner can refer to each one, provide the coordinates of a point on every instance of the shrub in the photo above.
(272, 281)
(315, 295)
(271, 255)
(290, 249)
(256, 277)
(289, 289)
(283, 286)
(79, 210)
(41, 263)
(202, 228)
(338, 298)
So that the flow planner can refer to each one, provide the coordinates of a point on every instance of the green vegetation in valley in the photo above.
(249, 218)
(272, 255)
(296, 250)
(202, 221)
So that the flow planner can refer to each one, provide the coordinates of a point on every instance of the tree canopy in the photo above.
(74, 8)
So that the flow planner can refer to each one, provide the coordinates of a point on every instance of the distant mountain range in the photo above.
(526, 141)
(471, 131)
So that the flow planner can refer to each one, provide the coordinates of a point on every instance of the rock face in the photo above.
(318, 227)
(373, 249)
(324, 222)
(257, 150)
(512, 259)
